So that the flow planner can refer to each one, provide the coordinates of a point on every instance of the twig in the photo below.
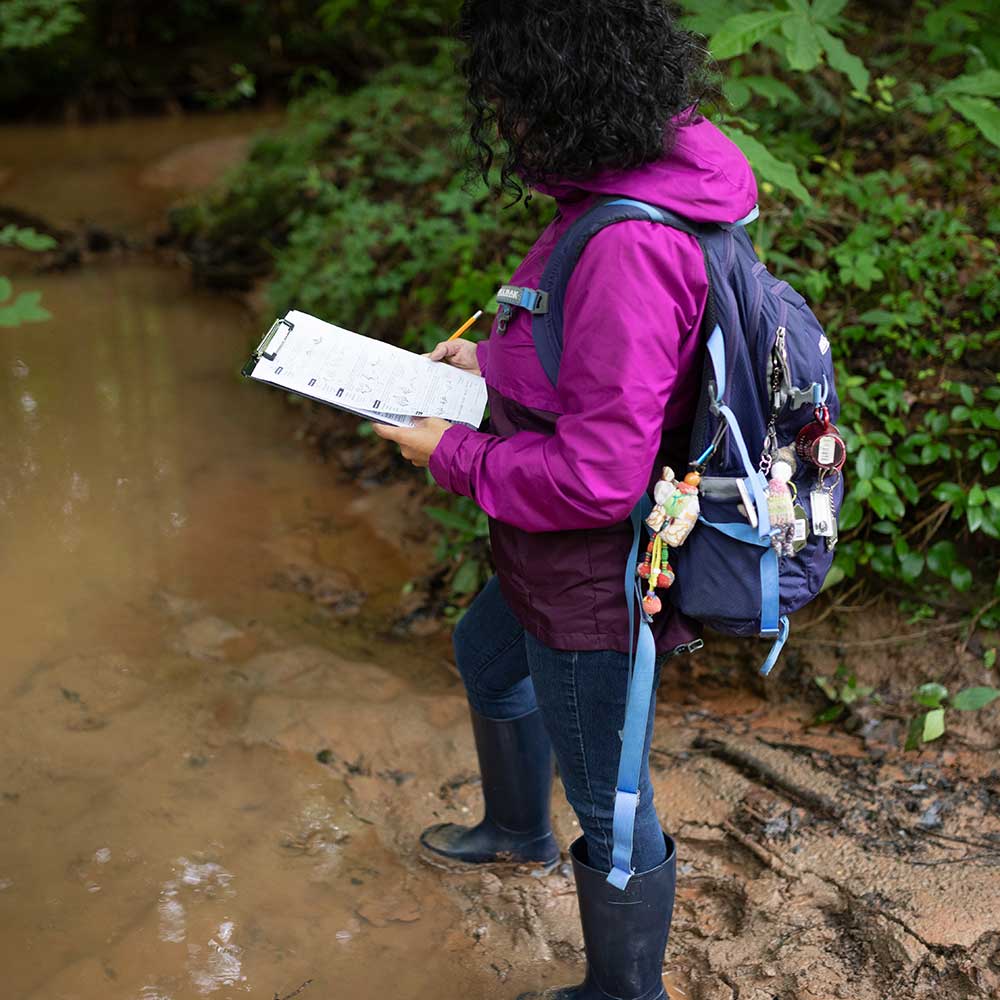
(954, 861)
(952, 838)
(886, 640)
(758, 770)
(938, 512)
(834, 605)
(294, 993)
(760, 852)
(976, 619)
(850, 609)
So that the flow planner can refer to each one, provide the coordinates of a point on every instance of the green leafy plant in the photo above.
(25, 307)
(462, 545)
(30, 24)
(934, 697)
(800, 36)
(242, 89)
(842, 691)
(806, 40)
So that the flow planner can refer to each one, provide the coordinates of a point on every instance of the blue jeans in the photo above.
(508, 673)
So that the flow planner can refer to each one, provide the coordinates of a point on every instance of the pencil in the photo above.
(465, 326)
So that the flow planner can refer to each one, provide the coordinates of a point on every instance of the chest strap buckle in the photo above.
(533, 299)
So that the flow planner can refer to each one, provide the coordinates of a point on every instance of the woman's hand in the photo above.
(416, 443)
(457, 353)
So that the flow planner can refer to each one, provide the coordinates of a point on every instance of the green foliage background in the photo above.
(110, 56)
(874, 134)
(29, 24)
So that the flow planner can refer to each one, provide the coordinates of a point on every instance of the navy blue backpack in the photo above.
(768, 368)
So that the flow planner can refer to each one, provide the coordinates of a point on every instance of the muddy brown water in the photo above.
(162, 835)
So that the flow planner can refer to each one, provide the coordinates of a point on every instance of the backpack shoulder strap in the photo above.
(547, 326)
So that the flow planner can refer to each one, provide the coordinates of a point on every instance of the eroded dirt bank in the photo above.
(219, 742)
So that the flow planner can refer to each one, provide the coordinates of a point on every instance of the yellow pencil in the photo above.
(465, 326)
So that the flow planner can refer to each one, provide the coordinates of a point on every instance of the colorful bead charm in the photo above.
(675, 513)
(781, 509)
(677, 507)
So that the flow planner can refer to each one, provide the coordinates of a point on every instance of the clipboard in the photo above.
(369, 378)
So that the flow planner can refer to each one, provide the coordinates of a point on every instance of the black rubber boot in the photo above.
(624, 933)
(515, 761)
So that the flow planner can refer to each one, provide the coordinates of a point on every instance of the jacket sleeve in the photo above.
(636, 293)
(482, 356)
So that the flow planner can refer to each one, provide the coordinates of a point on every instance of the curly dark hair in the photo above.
(559, 89)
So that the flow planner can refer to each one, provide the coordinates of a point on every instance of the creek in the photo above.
(167, 831)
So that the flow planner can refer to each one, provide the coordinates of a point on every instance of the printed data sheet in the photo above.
(375, 380)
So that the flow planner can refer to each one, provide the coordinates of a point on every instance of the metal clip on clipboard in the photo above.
(270, 344)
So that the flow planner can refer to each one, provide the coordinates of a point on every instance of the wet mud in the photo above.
(218, 744)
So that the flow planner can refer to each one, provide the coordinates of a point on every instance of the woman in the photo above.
(580, 99)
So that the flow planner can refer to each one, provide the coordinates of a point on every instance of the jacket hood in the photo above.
(704, 177)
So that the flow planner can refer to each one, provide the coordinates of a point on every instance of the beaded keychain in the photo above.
(781, 508)
(671, 520)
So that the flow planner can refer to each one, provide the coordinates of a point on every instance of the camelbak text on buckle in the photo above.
(532, 299)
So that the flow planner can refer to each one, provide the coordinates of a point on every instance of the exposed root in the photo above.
(757, 770)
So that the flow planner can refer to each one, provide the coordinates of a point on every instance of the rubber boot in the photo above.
(624, 933)
(516, 764)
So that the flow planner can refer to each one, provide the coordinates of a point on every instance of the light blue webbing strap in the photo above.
(776, 648)
(658, 215)
(633, 734)
(772, 621)
(752, 215)
(717, 353)
(651, 210)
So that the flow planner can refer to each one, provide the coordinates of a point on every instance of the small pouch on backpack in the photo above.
(731, 488)
(718, 568)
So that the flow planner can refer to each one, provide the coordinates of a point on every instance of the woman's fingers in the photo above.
(445, 350)
(399, 435)
(457, 353)
(386, 431)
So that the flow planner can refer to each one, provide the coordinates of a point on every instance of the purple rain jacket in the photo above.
(560, 469)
